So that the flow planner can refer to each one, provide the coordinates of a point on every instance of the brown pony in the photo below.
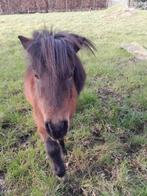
(53, 81)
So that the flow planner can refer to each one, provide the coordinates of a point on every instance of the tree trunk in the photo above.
(66, 5)
(46, 5)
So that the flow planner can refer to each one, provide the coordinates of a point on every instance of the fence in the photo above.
(32, 6)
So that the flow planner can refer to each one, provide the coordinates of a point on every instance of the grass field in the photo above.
(107, 144)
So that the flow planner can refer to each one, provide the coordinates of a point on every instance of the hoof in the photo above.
(60, 172)
(64, 151)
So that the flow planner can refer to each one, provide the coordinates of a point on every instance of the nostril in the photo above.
(48, 128)
(64, 124)
(46, 125)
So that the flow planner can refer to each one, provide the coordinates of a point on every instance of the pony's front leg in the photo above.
(62, 144)
(52, 147)
(54, 152)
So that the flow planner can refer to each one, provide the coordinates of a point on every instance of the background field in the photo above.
(107, 144)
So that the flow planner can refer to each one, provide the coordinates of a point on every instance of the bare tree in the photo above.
(8, 4)
(46, 5)
(19, 6)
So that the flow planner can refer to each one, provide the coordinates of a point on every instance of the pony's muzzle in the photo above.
(58, 130)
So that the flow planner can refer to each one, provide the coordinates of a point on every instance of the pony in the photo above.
(53, 81)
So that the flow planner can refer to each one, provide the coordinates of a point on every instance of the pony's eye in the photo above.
(70, 81)
(70, 78)
(36, 76)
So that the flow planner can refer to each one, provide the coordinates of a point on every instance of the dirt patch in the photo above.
(104, 171)
(96, 132)
(22, 141)
(125, 63)
(7, 124)
(123, 138)
(71, 187)
(135, 164)
(23, 110)
(121, 13)
(92, 168)
(95, 138)
(16, 92)
(130, 149)
(139, 128)
(106, 93)
(24, 138)
(89, 166)
(97, 135)
(117, 157)
(135, 49)
(2, 181)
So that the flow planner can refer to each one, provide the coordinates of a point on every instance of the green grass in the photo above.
(107, 145)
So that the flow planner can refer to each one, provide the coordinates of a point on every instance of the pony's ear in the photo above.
(25, 41)
(80, 42)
